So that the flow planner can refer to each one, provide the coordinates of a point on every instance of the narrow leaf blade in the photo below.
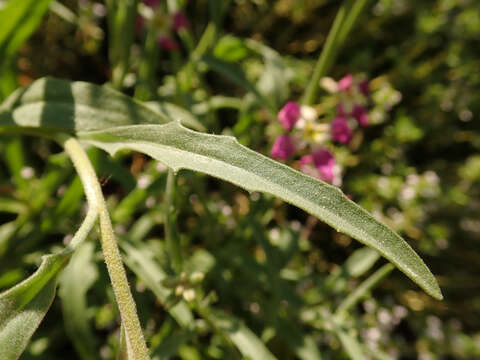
(75, 281)
(19, 19)
(223, 157)
(101, 117)
(54, 105)
(244, 339)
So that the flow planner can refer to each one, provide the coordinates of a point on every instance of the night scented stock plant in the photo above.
(74, 113)
(77, 114)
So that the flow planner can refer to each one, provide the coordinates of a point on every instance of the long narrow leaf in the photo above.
(57, 106)
(141, 263)
(75, 281)
(223, 157)
(19, 19)
(244, 339)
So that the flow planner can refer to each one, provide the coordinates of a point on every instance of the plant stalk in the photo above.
(344, 21)
(137, 349)
(171, 234)
(121, 16)
(362, 290)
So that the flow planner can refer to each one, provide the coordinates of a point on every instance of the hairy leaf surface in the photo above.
(105, 118)
(23, 307)
(223, 157)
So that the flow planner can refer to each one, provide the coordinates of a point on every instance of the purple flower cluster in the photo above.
(284, 146)
(320, 163)
(351, 110)
(353, 96)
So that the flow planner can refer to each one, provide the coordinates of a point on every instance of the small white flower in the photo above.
(189, 295)
(144, 181)
(329, 85)
(308, 113)
(27, 172)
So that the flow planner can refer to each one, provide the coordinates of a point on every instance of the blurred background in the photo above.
(416, 167)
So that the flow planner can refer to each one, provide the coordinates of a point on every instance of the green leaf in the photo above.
(308, 349)
(273, 84)
(349, 343)
(23, 307)
(230, 48)
(173, 111)
(362, 290)
(170, 346)
(356, 265)
(19, 19)
(140, 261)
(58, 106)
(235, 74)
(76, 279)
(244, 339)
(223, 157)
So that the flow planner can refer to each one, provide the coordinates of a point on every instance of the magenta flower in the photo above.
(345, 83)
(324, 163)
(340, 130)
(289, 114)
(364, 88)
(180, 21)
(283, 148)
(361, 115)
(167, 43)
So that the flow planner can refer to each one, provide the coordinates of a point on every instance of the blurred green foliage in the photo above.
(280, 271)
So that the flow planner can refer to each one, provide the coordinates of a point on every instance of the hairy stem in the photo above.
(85, 228)
(136, 347)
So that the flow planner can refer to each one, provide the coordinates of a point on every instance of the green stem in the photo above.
(137, 349)
(363, 289)
(342, 25)
(171, 235)
(121, 22)
(85, 228)
(146, 88)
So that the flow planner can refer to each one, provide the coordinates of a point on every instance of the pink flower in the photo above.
(364, 88)
(151, 3)
(324, 163)
(283, 147)
(345, 83)
(289, 114)
(167, 43)
(340, 130)
(180, 21)
(361, 115)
